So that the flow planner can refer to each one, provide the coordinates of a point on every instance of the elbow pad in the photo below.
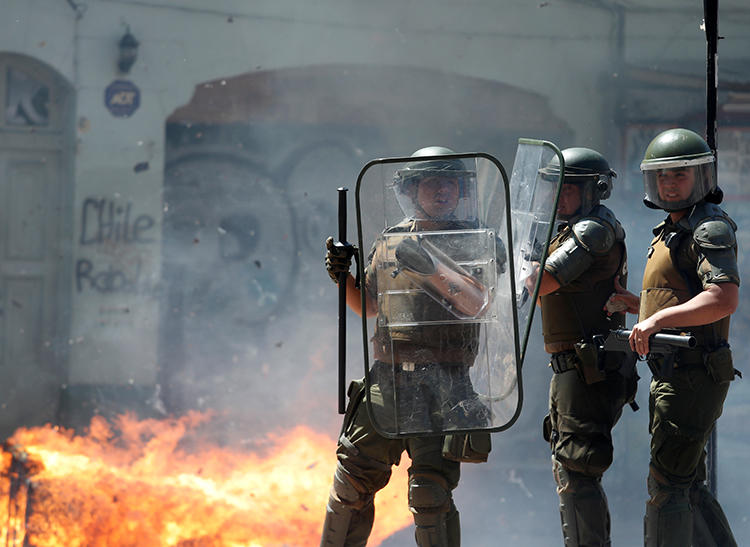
(568, 261)
(590, 237)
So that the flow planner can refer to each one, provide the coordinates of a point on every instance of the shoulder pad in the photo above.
(606, 214)
(704, 211)
(711, 226)
(594, 235)
(715, 233)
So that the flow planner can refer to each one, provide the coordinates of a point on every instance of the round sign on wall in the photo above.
(122, 98)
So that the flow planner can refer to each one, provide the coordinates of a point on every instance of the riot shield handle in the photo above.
(342, 306)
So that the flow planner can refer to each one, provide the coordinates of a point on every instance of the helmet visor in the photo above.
(674, 186)
(429, 194)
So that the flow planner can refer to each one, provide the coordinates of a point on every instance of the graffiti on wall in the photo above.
(116, 230)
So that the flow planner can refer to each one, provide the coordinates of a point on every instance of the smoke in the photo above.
(248, 321)
(250, 325)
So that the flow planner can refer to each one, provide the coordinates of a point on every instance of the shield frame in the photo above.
(510, 264)
(524, 339)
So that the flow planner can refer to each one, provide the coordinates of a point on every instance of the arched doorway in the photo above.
(35, 234)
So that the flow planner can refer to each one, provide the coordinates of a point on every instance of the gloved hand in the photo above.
(338, 258)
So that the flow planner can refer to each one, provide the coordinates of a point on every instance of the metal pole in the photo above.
(711, 25)
(342, 306)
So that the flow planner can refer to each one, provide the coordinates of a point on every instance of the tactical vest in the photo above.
(446, 340)
(670, 279)
(570, 314)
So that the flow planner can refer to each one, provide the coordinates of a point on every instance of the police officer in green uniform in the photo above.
(690, 284)
(588, 390)
(429, 191)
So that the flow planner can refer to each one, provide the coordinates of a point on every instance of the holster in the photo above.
(719, 364)
(590, 365)
(467, 447)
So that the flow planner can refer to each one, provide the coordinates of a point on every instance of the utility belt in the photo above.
(688, 357)
(563, 361)
(591, 363)
(717, 362)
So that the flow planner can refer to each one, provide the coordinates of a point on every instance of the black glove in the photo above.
(338, 258)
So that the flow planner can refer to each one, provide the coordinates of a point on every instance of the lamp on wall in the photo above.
(128, 52)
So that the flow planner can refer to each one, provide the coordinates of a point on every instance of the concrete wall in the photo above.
(568, 53)
(185, 43)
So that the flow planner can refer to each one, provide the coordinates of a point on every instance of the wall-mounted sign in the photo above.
(122, 98)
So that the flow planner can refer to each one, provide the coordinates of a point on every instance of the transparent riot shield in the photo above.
(441, 333)
(533, 205)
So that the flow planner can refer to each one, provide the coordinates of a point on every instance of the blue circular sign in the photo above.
(122, 98)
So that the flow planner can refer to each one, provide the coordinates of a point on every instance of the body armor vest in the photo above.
(575, 311)
(670, 279)
(445, 340)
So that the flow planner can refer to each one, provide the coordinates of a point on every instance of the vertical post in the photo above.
(711, 25)
(342, 307)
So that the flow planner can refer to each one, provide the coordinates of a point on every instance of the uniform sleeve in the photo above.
(718, 266)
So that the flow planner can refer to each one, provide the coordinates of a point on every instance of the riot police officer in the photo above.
(588, 390)
(429, 193)
(690, 284)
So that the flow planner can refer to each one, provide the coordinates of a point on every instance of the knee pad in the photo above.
(435, 515)
(587, 454)
(348, 492)
(429, 494)
(570, 481)
(664, 493)
(350, 512)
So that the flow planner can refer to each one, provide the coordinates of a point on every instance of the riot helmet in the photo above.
(679, 170)
(588, 170)
(436, 188)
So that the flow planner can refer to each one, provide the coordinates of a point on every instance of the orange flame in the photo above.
(135, 484)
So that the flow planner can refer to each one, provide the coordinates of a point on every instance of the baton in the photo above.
(342, 306)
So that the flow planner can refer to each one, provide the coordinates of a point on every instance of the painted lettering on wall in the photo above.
(115, 229)
(105, 221)
(108, 279)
